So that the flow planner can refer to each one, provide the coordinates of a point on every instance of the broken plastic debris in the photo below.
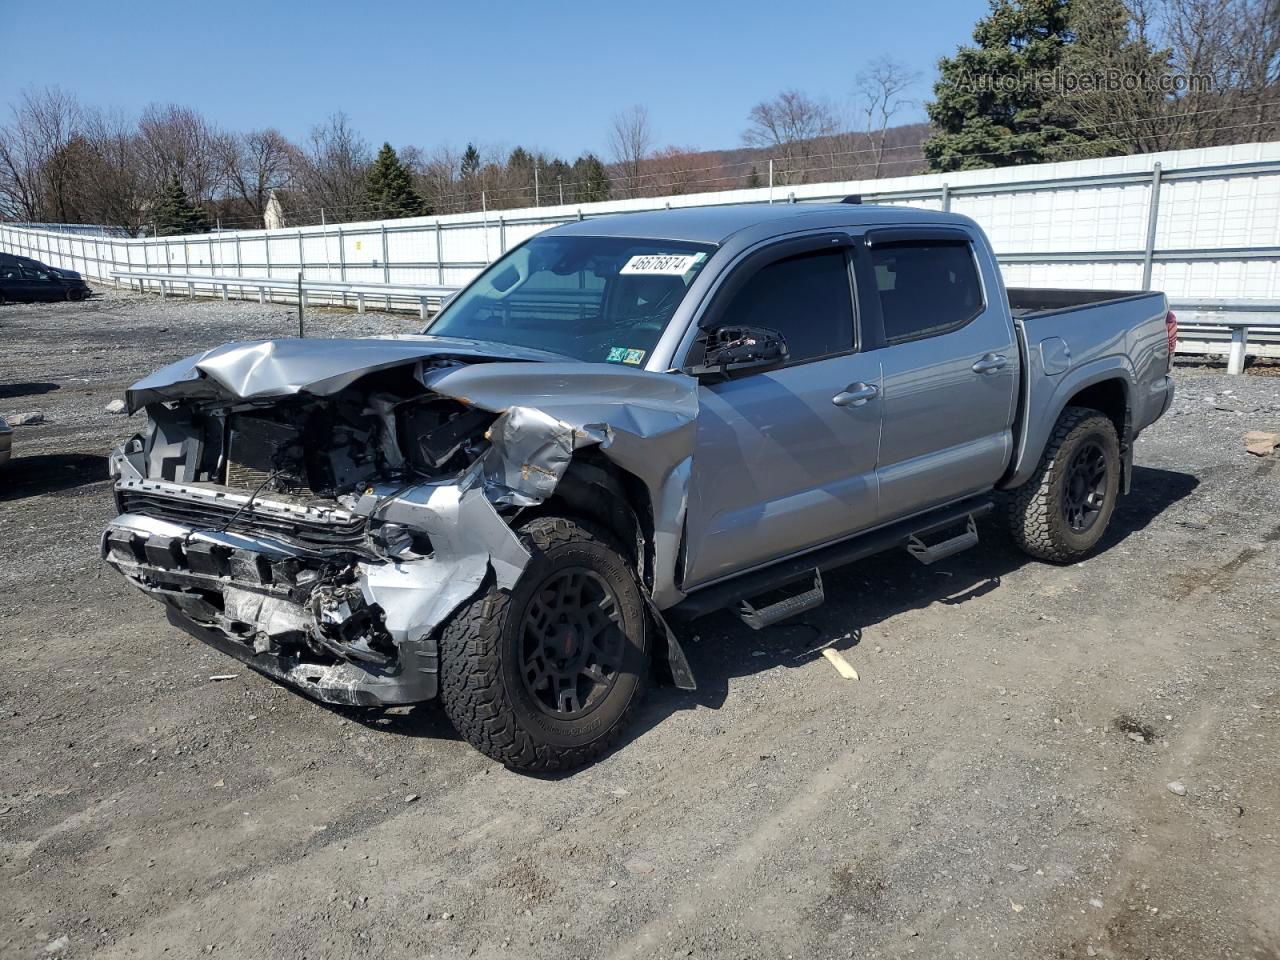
(842, 665)
(224, 676)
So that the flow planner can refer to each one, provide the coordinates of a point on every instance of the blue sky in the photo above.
(546, 75)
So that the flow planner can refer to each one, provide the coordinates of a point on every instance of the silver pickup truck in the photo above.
(621, 424)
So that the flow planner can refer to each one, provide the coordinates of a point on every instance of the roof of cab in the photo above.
(717, 224)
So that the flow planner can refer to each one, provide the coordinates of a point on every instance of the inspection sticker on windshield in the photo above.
(624, 355)
(663, 264)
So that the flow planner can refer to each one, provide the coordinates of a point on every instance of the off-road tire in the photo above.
(481, 688)
(1036, 513)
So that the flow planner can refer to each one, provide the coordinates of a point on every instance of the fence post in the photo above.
(386, 264)
(1153, 212)
(1239, 346)
(502, 235)
(302, 260)
(771, 179)
(946, 198)
(439, 256)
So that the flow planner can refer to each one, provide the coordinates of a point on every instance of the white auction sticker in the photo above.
(663, 264)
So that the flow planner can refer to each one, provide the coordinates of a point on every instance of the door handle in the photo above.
(855, 394)
(990, 363)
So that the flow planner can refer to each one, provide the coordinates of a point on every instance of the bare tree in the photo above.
(676, 170)
(178, 142)
(111, 186)
(1235, 44)
(436, 178)
(880, 92)
(34, 165)
(790, 125)
(630, 140)
(332, 170)
(257, 163)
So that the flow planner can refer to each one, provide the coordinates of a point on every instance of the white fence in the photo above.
(1198, 224)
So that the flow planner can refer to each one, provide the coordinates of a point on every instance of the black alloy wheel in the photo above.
(1086, 486)
(572, 643)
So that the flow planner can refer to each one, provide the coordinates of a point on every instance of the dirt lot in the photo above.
(993, 786)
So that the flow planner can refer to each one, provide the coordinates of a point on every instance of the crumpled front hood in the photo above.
(252, 369)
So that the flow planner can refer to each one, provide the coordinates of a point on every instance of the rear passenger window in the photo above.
(805, 298)
(925, 288)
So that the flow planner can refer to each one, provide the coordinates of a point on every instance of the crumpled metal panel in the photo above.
(645, 422)
(528, 454)
(275, 368)
(547, 408)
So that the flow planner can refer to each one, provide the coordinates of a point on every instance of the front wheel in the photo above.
(1062, 512)
(545, 677)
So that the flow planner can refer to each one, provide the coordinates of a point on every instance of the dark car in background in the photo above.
(25, 279)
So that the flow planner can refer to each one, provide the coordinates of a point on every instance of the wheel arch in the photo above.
(595, 488)
(1105, 386)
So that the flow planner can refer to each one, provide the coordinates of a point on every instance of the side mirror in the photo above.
(732, 351)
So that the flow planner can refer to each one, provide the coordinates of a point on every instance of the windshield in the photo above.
(598, 299)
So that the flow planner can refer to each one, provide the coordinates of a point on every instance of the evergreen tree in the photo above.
(175, 215)
(389, 192)
(592, 179)
(470, 165)
(557, 181)
(992, 106)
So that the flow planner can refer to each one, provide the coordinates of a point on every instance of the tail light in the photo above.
(1171, 328)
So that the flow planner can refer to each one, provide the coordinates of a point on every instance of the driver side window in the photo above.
(805, 298)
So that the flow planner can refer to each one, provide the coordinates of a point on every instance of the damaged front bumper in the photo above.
(345, 628)
(318, 509)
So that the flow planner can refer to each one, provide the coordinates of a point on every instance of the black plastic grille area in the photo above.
(328, 534)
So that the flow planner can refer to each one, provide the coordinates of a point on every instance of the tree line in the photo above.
(1015, 95)
(1115, 77)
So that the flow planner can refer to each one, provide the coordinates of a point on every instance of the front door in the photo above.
(786, 459)
(40, 285)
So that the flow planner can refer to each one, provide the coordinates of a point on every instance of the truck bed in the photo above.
(1027, 302)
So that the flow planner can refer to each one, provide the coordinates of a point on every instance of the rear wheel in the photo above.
(1062, 512)
(545, 677)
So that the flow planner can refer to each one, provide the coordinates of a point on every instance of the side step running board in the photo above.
(759, 618)
(730, 593)
(927, 554)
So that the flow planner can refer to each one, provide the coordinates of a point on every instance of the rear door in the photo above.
(950, 366)
(785, 459)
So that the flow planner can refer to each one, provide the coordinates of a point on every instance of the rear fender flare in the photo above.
(1039, 418)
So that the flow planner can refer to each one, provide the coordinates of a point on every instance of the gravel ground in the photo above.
(993, 786)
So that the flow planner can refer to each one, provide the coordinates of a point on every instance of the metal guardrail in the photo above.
(1234, 328)
(331, 289)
